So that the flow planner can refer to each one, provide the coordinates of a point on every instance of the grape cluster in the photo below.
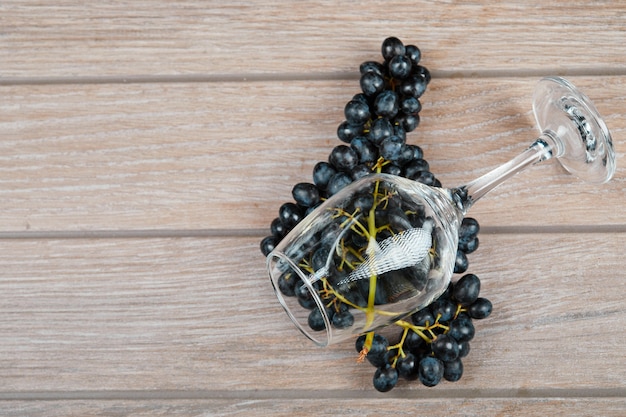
(374, 133)
(432, 342)
(375, 127)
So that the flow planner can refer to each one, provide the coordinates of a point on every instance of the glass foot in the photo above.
(584, 145)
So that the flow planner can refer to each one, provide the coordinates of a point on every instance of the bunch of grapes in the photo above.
(377, 120)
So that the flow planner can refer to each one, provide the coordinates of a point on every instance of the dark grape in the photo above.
(443, 309)
(290, 214)
(391, 148)
(430, 371)
(338, 182)
(357, 112)
(322, 173)
(346, 132)
(387, 104)
(343, 158)
(480, 309)
(360, 171)
(268, 244)
(423, 317)
(371, 66)
(460, 263)
(445, 347)
(469, 228)
(413, 86)
(380, 129)
(278, 229)
(372, 84)
(453, 370)
(413, 53)
(366, 151)
(316, 320)
(306, 194)
(407, 367)
(466, 289)
(462, 329)
(385, 378)
(391, 47)
(400, 67)
(464, 349)
(343, 319)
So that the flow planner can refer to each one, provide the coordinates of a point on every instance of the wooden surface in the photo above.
(146, 146)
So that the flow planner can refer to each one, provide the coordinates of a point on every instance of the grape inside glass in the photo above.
(385, 246)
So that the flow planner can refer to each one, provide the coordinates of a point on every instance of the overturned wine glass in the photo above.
(385, 246)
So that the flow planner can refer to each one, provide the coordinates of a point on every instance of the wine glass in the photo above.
(385, 246)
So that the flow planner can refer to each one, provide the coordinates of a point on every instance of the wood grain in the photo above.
(199, 314)
(239, 39)
(145, 147)
(530, 407)
(206, 155)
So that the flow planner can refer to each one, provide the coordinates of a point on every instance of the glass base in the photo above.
(584, 144)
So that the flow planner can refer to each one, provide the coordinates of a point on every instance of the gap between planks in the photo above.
(315, 76)
(260, 233)
(545, 393)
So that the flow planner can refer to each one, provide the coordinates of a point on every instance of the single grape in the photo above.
(380, 130)
(443, 309)
(337, 182)
(413, 53)
(413, 168)
(407, 366)
(306, 194)
(430, 371)
(408, 121)
(469, 246)
(346, 132)
(391, 148)
(391, 47)
(371, 66)
(423, 317)
(466, 289)
(343, 158)
(400, 67)
(453, 370)
(322, 173)
(469, 228)
(385, 378)
(360, 171)
(343, 319)
(413, 86)
(480, 309)
(462, 329)
(464, 349)
(290, 214)
(410, 105)
(372, 84)
(445, 347)
(357, 112)
(387, 104)
(366, 151)
(378, 355)
(278, 229)
(268, 244)
(460, 263)
(316, 320)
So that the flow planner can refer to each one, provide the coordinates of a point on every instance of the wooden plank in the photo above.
(216, 155)
(147, 38)
(537, 407)
(199, 314)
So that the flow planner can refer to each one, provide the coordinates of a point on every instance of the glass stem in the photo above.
(545, 147)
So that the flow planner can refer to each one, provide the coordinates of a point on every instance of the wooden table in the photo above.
(146, 146)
